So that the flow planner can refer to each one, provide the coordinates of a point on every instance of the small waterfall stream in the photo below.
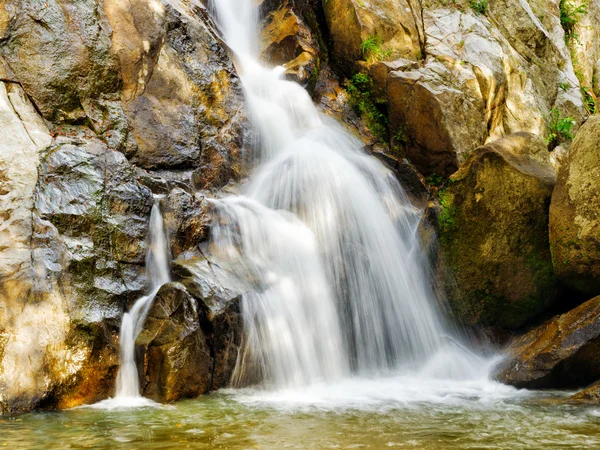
(157, 273)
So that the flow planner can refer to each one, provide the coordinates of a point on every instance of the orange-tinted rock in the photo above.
(563, 352)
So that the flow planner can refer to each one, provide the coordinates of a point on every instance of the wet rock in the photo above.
(287, 41)
(411, 180)
(177, 361)
(575, 213)
(562, 353)
(494, 236)
(186, 220)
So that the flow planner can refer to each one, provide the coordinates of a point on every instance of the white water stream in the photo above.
(330, 233)
(158, 272)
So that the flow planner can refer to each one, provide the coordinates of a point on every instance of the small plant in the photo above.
(479, 6)
(361, 91)
(570, 15)
(435, 180)
(560, 128)
(564, 86)
(371, 49)
(589, 100)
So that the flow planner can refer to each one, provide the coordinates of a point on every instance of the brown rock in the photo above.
(494, 236)
(177, 361)
(562, 353)
(575, 213)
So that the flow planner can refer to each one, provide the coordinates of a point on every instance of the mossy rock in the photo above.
(575, 213)
(493, 225)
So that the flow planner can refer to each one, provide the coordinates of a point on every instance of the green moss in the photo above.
(446, 219)
(373, 110)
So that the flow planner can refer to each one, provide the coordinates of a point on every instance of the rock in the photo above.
(426, 104)
(287, 41)
(562, 353)
(590, 394)
(494, 235)
(177, 361)
(60, 53)
(411, 180)
(354, 22)
(186, 220)
(180, 91)
(575, 213)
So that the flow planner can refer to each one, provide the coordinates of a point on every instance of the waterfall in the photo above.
(158, 273)
(329, 232)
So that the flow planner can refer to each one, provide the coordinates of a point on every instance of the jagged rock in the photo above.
(494, 235)
(426, 104)
(575, 213)
(353, 22)
(180, 91)
(287, 41)
(177, 360)
(60, 54)
(562, 353)
(191, 338)
(186, 220)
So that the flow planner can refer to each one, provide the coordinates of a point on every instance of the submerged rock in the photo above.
(494, 235)
(562, 353)
(575, 213)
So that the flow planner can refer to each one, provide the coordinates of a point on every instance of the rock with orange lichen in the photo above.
(562, 353)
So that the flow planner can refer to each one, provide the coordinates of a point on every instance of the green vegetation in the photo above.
(560, 128)
(372, 49)
(448, 210)
(373, 110)
(479, 6)
(590, 101)
(435, 180)
(570, 15)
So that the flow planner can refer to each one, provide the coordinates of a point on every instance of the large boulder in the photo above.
(562, 353)
(575, 213)
(177, 362)
(493, 228)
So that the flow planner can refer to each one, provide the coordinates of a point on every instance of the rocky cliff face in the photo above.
(102, 103)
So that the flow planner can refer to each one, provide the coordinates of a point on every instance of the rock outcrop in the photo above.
(88, 92)
(456, 76)
(562, 353)
(493, 227)
(575, 213)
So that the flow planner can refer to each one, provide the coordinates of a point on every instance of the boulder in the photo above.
(177, 361)
(562, 353)
(575, 213)
(494, 236)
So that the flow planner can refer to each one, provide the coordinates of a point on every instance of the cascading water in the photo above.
(157, 273)
(347, 292)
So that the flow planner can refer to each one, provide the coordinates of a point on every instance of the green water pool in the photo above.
(401, 417)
